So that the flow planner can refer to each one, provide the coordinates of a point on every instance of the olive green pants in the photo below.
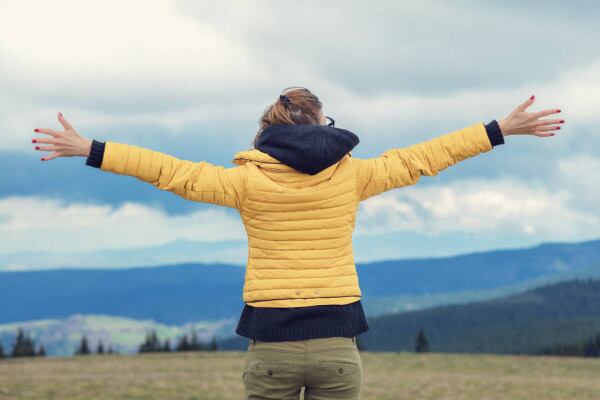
(327, 368)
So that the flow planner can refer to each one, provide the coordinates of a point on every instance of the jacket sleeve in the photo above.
(196, 181)
(404, 166)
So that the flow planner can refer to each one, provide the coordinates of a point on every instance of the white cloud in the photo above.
(170, 64)
(580, 175)
(53, 225)
(502, 206)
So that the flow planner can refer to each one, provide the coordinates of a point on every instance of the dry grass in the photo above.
(205, 375)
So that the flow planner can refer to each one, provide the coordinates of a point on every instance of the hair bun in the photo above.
(284, 98)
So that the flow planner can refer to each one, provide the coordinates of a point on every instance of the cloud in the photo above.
(509, 208)
(55, 225)
(580, 176)
(194, 76)
(175, 64)
(502, 206)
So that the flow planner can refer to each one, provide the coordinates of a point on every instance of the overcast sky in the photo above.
(191, 79)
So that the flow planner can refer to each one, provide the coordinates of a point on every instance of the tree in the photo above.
(23, 346)
(195, 344)
(167, 345)
(183, 344)
(421, 343)
(2, 355)
(110, 350)
(213, 344)
(41, 351)
(100, 348)
(151, 344)
(590, 348)
(83, 348)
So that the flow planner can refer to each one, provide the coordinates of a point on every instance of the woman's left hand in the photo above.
(67, 143)
(520, 122)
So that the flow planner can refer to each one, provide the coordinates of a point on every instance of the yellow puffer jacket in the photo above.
(299, 225)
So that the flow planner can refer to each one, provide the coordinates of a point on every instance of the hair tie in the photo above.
(285, 99)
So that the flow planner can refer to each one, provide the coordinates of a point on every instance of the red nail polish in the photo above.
(562, 121)
(37, 147)
(42, 159)
(32, 140)
(532, 97)
(36, 130)
(558, 127)
(557, 110)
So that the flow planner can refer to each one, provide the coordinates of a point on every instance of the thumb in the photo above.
(527, 103)
(64, 122)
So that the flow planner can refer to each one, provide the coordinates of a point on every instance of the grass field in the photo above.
(217, 375)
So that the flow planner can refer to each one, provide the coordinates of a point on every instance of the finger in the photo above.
(543, 134)
(45, 148)
(550, 121)
(523, 106)
(543, 113)
(42, 140)
(64, 122)
(50, 157)
(545, 128)
(49, 131)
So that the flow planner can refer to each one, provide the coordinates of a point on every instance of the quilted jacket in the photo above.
(299, 215)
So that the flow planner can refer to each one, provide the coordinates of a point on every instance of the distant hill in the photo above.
(566, 312)
(191, 292)
(168, 294)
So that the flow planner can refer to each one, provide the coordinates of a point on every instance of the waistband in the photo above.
(254, 341)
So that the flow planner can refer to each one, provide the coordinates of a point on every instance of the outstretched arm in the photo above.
(197, 181)
(404, 166)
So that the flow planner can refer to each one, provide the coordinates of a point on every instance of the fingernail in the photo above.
(33, 141)
(532, 97)
(37, 147)
(59, 113)
(42, 159)
(558, 127)
(557, 110)
(562, 121)
(552, 134)
(36, 130)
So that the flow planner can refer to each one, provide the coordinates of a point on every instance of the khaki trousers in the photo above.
(327, 368)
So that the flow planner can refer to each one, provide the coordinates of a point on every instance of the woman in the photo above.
(297, 192)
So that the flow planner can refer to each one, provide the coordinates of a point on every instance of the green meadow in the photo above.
(218, 375)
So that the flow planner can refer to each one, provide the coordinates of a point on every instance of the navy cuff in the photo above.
(96, 154)
(494, 133)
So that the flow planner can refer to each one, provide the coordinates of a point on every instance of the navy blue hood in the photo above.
(306, 148)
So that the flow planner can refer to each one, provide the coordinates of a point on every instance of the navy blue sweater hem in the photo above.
(300, 323)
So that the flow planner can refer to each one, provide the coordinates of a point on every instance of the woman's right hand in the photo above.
(520, 122)
(67, 143)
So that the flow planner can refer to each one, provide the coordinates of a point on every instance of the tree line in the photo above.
(187, 342)
(24, 346)
(585, 348)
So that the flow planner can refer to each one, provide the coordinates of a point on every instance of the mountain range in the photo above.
(173, 297)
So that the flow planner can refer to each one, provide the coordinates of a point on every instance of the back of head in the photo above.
(299, 106)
